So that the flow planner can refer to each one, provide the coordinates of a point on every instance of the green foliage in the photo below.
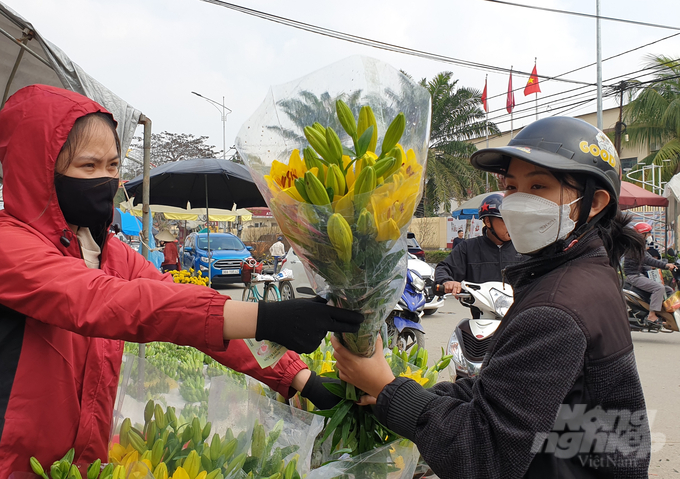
(457, 116)
(653, 117)
(434, 257)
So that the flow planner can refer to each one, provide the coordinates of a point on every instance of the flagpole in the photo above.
(512, 109)
(536, 93)
(487, 133)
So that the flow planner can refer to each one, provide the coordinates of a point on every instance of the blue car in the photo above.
(226, 250)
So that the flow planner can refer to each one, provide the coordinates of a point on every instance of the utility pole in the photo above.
(599, 67)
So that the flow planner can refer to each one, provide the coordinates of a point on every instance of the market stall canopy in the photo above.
(672, 189)
(470, 208)
(633, 196)
(190, 214)
(27, 58)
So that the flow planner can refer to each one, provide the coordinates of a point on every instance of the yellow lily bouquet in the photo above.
(345, 194)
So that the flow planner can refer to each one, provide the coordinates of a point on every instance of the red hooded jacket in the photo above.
(62, 325)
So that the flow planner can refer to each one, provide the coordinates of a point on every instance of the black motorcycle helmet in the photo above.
(490, 206)
(561, 144)
(490, 209)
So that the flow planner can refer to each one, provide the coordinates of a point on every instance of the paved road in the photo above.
(658, 360)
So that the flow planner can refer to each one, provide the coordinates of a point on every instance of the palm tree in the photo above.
(457, 116)
(308, 108)
(653, 117)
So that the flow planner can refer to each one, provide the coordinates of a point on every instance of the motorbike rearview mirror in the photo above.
(670, 252)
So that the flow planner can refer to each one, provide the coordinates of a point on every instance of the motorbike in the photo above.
(471, 338)
(433, 301)
(637, 303)
(403, 324)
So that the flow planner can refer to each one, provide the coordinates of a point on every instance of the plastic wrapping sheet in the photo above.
(353, 247)
(396, 460)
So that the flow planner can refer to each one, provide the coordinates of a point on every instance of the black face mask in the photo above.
(86, 202)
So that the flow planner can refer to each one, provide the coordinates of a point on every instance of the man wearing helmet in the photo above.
(636, 270)
(558, 394)
(482, 258)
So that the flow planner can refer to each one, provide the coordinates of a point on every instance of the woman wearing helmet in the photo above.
(559, 393)
(483, 258)
(636, 269)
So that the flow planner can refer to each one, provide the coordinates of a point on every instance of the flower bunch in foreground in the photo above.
(346, 210)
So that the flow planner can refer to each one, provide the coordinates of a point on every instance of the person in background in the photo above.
(115, 229)
(651, 248)
(636, 274)
(278, 251)
(63, 323)
(459, 239)
(171, 261)
(482, 258)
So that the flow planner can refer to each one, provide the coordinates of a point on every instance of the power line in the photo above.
(649, 71)
(571, 106)
(373, 43)
(588, 15)
(593, 64)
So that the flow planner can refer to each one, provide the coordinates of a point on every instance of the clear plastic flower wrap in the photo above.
(339, 155)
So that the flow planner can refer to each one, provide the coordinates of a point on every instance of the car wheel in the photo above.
(286, 290)
(430, 312)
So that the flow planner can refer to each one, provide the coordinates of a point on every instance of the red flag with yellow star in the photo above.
(532, 84)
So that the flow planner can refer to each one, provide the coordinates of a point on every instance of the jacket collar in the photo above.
(525, 273)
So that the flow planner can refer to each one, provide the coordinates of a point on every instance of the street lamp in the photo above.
(223, 114)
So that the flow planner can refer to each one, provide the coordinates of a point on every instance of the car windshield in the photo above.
(220, 243)
(412, 243)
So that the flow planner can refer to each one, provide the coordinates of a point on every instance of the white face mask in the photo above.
(534, 222)
(650, 241)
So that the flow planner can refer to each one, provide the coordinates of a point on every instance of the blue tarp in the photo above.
(155, 257)
(465, 214)
(130, 225)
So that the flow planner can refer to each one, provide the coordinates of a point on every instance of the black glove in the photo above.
(316, 392)
(301, 324)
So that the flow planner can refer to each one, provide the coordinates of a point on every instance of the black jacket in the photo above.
(558, 395)
(632, 267)
(477, 260)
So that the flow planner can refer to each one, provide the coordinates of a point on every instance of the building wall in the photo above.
(430, 232)
(609, 119)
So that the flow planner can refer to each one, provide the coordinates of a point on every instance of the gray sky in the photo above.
(153, 53)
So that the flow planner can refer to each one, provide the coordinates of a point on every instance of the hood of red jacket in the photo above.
(34, 125)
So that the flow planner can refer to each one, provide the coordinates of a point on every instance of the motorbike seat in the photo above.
(644, 295)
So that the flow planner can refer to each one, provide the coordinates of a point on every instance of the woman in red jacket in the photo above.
(171, 260)
(71, 293)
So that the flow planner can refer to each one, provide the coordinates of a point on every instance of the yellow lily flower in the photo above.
(285, 175)
(117, 452)
(350, 176)
(326, 367)
(180, 473)
(388, 231)
(345, 206)
(130, 459)
(410, 167)
(202, 475)
(282, 176)
(417, 376)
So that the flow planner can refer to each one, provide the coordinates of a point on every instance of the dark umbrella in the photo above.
(202, 181)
